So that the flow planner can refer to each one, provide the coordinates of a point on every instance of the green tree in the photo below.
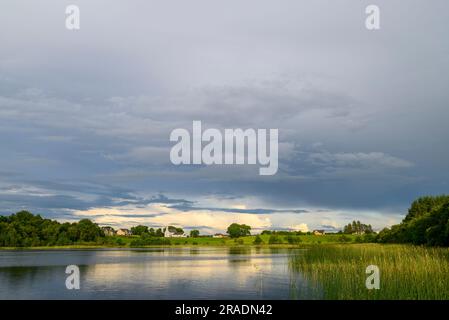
(159, 233)
(274, 239)
(293, 239)
(194, 233)
(23, 229)
(175, 230)
(236, 230)
(427, 223)
(139, 230)
(258, 240)
(358, 228)
(424, 205)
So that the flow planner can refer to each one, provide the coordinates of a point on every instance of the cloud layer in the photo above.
(85, 116)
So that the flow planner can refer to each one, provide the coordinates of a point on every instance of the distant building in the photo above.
(108, 231)
(123, 232)
(219, 235)
(319, 232)
(169, 234)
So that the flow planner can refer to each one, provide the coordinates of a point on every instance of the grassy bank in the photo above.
(126, 242)
(248, 240)
(406, 272)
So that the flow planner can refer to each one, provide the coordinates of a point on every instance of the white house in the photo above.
(169, 234)
(219, 235)
(123, 232)
(108, 231)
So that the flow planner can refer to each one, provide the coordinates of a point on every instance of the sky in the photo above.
(86, 115)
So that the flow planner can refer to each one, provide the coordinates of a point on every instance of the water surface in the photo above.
(156, 273)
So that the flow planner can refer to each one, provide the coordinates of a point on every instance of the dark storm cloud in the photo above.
(361, 115)
(187, 208)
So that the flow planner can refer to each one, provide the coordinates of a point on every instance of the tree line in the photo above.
(142, 230)
(24, 229)
(427, 223)
(356, 227)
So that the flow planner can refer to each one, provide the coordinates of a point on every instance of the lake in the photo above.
(155, 273)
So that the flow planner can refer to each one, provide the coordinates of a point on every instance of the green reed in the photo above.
(406, 272)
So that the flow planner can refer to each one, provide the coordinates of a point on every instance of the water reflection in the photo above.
(159, 273)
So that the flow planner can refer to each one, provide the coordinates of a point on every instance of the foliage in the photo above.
(406, 272)
(24, 229)
(427, 223)
(424, 205)
(283, 233)
(258, 240)
(236, 230)
(344, 238)
(293, 239)
(274, 239)
(147, 240)
(358, 228)
(194, 233)
(139, 230)
(175, 230)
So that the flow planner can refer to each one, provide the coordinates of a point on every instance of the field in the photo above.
(122, 241)
(406, 272)
(248, 240)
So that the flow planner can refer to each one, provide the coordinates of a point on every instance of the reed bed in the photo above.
(406, 272)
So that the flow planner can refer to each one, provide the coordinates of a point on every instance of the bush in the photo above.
(150, 241)
(274, 240)
(258, 240)
(293, 239)
(344, 238)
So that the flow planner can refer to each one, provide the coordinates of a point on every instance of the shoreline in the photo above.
(84, 247)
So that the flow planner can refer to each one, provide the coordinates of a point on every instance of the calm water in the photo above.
(157, 273)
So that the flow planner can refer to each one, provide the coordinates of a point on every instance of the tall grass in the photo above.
(406, 272)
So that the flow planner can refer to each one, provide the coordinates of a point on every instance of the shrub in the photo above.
(258, 240)
(274, 239)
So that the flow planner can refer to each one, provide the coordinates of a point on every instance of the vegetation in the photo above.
(293, 240)
(24, 229)
(194, 233)
(139, 230)
(358, 228)
(147, 240)
(175, 230)
(236, 230)
(274, 239)
(284, 233)
(406, 272)
(258, 240)
(427, 223)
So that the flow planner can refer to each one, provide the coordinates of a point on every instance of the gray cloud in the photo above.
(85, 123)
(189, 208)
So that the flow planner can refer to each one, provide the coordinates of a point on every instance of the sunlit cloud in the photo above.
(159, 215)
